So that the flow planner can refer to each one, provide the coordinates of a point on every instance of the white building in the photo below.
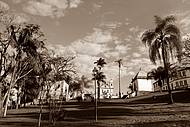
(58, 90)
(106, 90)
(141, 85)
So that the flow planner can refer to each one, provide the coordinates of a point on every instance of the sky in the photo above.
(90, 29)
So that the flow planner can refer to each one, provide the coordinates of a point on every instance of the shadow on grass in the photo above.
(180, 96)
(18, 124)
(82, 113)
(181, 123)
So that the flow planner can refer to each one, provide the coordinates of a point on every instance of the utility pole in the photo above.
(119, 62)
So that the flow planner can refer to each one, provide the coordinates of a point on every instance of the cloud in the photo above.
(185, 1)
(89, 48)
(99, 36)
(134, 29)
(52, 8)
(143, 63)
(112, 54)
(75, 3)
(183, 21)
(94, 43)
(85, 64)
(135, 54)
(61, 50)
(17, 1)
(95, 8)
(122, 48)
(4, 6)
(131, 73)
(111, 71)
(143, 50)
(110, 25)
(21, 18)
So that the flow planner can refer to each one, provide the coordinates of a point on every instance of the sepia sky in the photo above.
(90, 29)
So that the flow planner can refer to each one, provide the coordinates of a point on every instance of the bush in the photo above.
(79, 98)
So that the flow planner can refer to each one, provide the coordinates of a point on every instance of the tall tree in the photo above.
(158, 74)
(24, 39)
(164, 41)
(99, 76)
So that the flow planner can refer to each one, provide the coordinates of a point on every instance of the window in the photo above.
(181, 83)
(179, 73)
(177, 84)
(184, 74)
(185, 83)
(172, 86)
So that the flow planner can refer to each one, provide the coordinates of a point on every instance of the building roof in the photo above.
(183, 65)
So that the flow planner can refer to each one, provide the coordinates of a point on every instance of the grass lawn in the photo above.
(110, 114)
(130, 115)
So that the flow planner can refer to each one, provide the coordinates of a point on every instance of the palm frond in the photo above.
(160, 25)
(158, 20)
(148, 36)
(169, 19)
(154, 53)
(100, 62)
(174, 43)
(171, 29)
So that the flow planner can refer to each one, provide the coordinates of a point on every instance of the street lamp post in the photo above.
(96, 110)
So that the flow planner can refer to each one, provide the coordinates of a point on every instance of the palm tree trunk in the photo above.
(98, 90)
(167, 77)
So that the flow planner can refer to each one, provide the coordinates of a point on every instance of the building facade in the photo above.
(180, 79)
(106, 90)
(141, 85)
(59, 90)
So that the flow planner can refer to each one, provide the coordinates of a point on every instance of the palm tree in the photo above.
(100, 63)
(163, 41)
(159, 75)
(99, 77)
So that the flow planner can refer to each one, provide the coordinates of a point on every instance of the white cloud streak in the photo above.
(4, 6)
(52, 8)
